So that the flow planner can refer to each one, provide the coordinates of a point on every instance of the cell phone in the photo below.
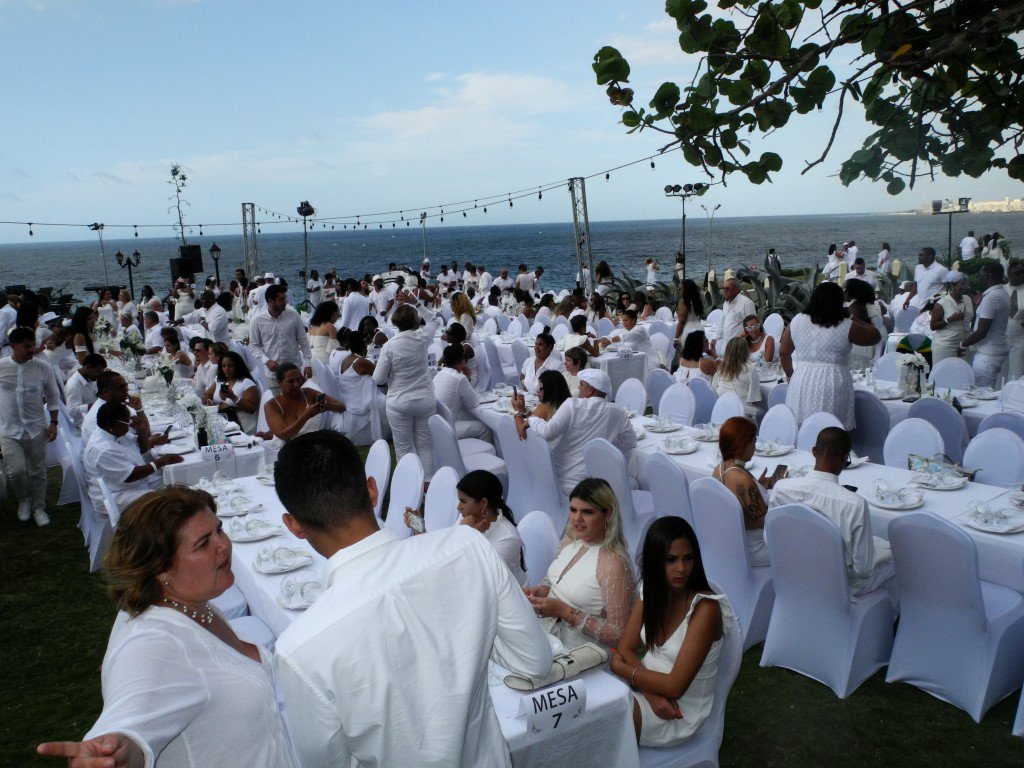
(416, 523)
(168, 430)
(852, 488)
(515, 393)
(779, 473)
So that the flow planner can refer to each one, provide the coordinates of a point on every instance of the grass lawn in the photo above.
(56, 619)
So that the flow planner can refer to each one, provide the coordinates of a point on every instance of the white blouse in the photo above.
(504, 537)
(531, 372)
(403, 363)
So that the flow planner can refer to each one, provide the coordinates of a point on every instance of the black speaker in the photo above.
(191, 258)
(179, 269)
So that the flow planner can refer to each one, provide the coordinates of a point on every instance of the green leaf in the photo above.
(771, 161)
(895, 186)
(630, 119)
(665, 100)
(609, 65)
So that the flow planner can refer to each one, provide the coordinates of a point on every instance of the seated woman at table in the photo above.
(297, 409)
(760, 345)
(375, 338)
(552, 391)
(80, 339)
(482, 507)
(681, 622)
(545, 309)
(735, 374)
(453, 389)
(588, 591)
(575, 360)
(177, 681)
(235, 393)
(644, 309)
(456, 334)
(695, 359)
(635, 337)
(323, 337)
(736, 440)
(544, 359)
(463, 311)
(184, 368)
(579, 337)
(597, 310)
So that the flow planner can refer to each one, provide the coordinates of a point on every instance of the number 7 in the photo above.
(558, 718)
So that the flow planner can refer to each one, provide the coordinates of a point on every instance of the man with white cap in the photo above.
(578, 421)
(258, 298)
(950, 320)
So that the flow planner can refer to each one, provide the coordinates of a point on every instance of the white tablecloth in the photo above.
(1000, 557)
(621, 368)
(603, 737)
(247, 461)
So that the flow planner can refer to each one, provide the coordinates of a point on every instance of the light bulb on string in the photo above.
(30, 232)
(540, 194)
(200, 230)
(463, 214)
(136, 227)
(485, 209)
(652, 165)
(607, 177)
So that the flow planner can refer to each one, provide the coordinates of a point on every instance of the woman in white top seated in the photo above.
(579, 337)
(363, 401)
(737, 439)
(575, 360)
(545, 359)
(482, 507)
(464, 314)
(177, 681)
(736, 375)
(453, 389)
(297, 410)
(235, 393)
(183, 365)
(323, 336)
(760, 345)
(588, 591)
(680, 622)
(695, 360)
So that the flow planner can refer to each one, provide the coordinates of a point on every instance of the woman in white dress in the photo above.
(681, 622)
(951, 318)
(760, 345)
(862, 306)
(587, 594)
(235, 393)
(180, 688)
(815, 352)
(689, 311)
(453, 389)
(695, 359)
(735, 374)
(464, 314)
(323, 336)
(483, 508)
(363, 401)
(184, 300)
(106, 308)
(126, 306)
(545, 359)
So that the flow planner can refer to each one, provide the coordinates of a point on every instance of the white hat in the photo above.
(427, 262)
(268, 276)
(49, 317)
(596, 378)
(953, 277)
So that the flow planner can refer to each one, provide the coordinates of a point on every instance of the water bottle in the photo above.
(201, 437)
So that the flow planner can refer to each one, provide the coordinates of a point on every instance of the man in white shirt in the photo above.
(420, 697)
(153, 340)
(735, 307)
(929, 276)
(128, 329)
(80, 388)
(525, 281)
(851, 252)
(446, 279)
(28, 388)
(314, 289)
(277, 336)
(968, 246)
(206, 367)
(354, 307)
(210, 316)
(861, 273)
(155, 305)
(486, 280)
(990, 322)
(384, 297)
(8, 317)
(578, 421)
(503, 281)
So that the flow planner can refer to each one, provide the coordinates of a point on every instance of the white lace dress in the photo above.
(696, 703)
(321, 346)
(821, 371)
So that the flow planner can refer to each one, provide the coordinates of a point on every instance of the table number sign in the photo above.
(553, 708)
(217, 453)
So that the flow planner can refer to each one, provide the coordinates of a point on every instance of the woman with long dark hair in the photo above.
(695, 359)
(544, 359)
(552, 391)
(323, 336)
(681, 622)
(80, 336)
(482, 507)
(235, 392)
(689, 311)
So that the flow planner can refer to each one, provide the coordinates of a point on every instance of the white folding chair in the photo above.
(636, 508)
(678, 403)
(445, 447)
(540, 544)
(960, 639)
(777, 394)
(632, 395)
(813, 424)
(998, 455)
(378, 466)
(440, 507)
(704, 400)
(885, 367)
(670, 490)
(915, 436)
(817, 628)
(727, 406)
(952, 373)
(778, 424)
(658, 380)
(1005, 420)
(406, 491)
(948, 420)
(873, 422)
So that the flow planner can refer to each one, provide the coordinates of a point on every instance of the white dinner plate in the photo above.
(663, 428)
(706, 437)
(984, 394)
(264, 533)
(782, 450)
(889, 394)
(1015, 524)
(937, 485)
(900, 505)
(966, 401)
(265, 480)
(680, 450)
(302, 559)
(172, 449)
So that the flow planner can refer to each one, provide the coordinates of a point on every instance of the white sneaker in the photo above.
(25, 510)
(41, 518)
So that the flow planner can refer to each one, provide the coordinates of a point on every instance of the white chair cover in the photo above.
(813, 424)
(704, 400)
(326, 379)
(490, 325)
(885, 367)
(253, 630)
(109, 504)
(816, 628)
(536, 328)
(378, 466)
(1005, 420)
(952, 373)
(231, 602)
(873, 422)
(499, 373)
(505, 325)
(662, 327)
(560, 332)
(777, 396)
(774, 325)
(778, 424)
(631, 394)
(520, 354)
(726, 406)
(70, 493)
(636, 508)
(513, 451)
(670, 490)
(1012, 396)
(904, 318)
(467, 445)
(719, 525)
(95, 526)
(713, 324)
(406, 491)
(959, 638)
(261, 417)
(945, 418)
(559, 320)
(664, 314)
(445, 449)
(605, 327)
(540, 544)
(678, 403)
(662, 344)
(547, 496)
(658, 380)
(998, 455)
(915, 436)
(440, 507)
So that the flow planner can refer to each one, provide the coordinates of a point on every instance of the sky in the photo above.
(364, 107)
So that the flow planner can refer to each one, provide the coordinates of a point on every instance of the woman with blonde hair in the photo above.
(588, 591)
(736, 375)
(463, 311)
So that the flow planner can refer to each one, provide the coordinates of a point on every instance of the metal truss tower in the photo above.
(581, 230)
(252, 264)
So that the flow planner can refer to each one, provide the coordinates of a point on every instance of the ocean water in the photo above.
(737, 241)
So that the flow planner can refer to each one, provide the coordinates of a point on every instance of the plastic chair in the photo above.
(960, 639)
(817, 628)
(1004, 420)
(904, 318)
(952, 373)
(873, 423)
(378, 466)
(520, 354)
(998, 455)
(778, 424)
(605, 327)
(499, 373)
(678, 404)
(726, 407)
(915, 436)
(604, 460)
(540, 544)
(547, 496)
(517, 463)
(657, 382)
(440, 507)
(777, 395)
(718, 522)
(885, 367)
(813, 424)
(945, 418)
(632, 395)
(406, 491)
(704, 400)
(445, 448)
(670, 490)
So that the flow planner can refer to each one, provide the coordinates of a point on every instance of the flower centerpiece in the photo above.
(913, 367)
(102, 329)
(189, 401)
(167, 372)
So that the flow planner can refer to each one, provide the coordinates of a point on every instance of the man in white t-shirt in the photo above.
(735, 307)
(314, 289)
(503, 281)
(851, 252)
(968, 246)
(485, 279)
(928, 278)
(990, 321)
(525, 281)
(861, 273)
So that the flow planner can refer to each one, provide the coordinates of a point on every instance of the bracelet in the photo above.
(154, 466)
(632, 677)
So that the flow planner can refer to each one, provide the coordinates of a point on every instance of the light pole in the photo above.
(423, 228)
(129, 263)
(963, 205)
(711, 221)
(683, 191)
(98, 229)
(305, 210)
(215, 255)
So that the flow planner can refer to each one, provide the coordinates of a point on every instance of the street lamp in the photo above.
(98, 229)
(962, 205)
(305, 210)
(129, 263)
(683, 191)
(711, 221)
(423, 229)
(215, 255)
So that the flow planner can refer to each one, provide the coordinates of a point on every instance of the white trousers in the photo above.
(986, 368)
(1015, 360)
(410, 430)
(25, 459)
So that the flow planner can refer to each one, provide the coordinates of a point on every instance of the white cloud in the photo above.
(657, 43)
(433, 77)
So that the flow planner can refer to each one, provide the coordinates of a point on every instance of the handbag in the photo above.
(572, 663)
(936, 464)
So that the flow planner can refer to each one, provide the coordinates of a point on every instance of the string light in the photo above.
(30, 232)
